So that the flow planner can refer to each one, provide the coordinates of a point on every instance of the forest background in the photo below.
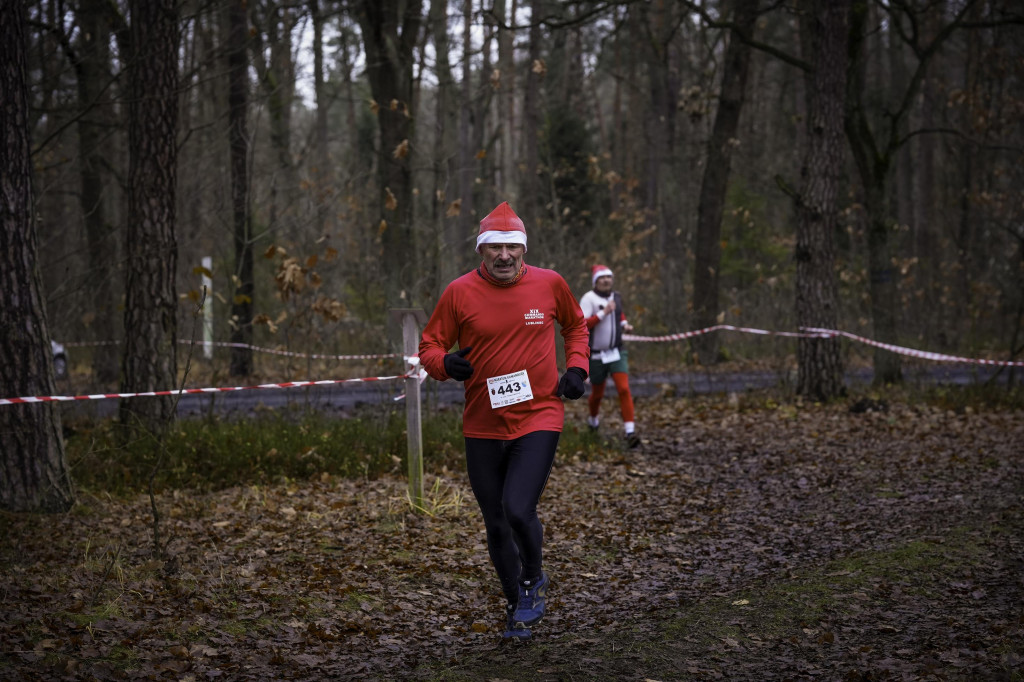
(375, 135)
(850, 165)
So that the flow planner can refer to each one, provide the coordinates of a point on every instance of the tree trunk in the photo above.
(882, 274)
(927, 227)
(617, 134)
(277, 78)
(93, 72)
(873, 167)
(238, 144)
(34, 475)
(356, 241)
(820, 374)
(467, 164)
(965, 234)
(715, 184)
(506, 103)
(150, 318)
(445, 149)
(662, 200)
(390, 30)
(323, 172)
(482, 138)
(530, 204)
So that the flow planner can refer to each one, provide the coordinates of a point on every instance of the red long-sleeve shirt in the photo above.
(510, 328)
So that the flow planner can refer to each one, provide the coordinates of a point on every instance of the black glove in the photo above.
(571, 383)
(457, 366)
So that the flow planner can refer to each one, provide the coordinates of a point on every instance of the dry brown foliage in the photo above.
(739, 542)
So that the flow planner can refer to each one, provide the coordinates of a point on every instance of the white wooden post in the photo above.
(208, 308)
(412, 319)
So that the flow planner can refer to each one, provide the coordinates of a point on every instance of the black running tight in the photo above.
(508, 477)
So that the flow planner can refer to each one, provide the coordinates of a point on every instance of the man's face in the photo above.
(603, 285)
(503, 260)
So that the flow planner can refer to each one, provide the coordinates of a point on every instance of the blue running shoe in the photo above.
(514, 630)
(531, 600)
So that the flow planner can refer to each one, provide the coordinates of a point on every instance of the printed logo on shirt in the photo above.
(535, 316)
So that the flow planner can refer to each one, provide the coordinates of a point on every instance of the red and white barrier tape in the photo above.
(294, 354)
(820, 333)
(227, 344)
(721, 327)
(83, 344)
(413, 361)
(912, 352)
(184, 391)
(416, 371)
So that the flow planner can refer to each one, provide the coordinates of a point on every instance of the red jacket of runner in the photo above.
(510, 328)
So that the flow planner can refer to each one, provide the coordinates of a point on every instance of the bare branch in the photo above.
(959, 134)
(757, 45)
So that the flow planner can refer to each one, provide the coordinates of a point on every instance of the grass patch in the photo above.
(105, 611)
(978, 397)
(282, 445)
(355, 600)
(797, 609)
(581, 444)
(236, 628)
(777, 610)
(213, 454)
(975, 396)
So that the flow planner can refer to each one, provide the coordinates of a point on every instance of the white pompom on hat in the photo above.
(501, 226)
(599, 271)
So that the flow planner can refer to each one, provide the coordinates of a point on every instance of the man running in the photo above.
(502, 316)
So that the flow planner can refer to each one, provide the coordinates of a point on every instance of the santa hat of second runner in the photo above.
(502, 226)
(599, 271)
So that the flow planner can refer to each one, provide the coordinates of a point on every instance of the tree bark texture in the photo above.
(874, 167)
(466, 164)
(507, 178)
(715, 184)
(529, 183)
(238, 145)
(275, 20)
(820, 372)
(323, 176)
(445, 151)
(150, 320)
(390, 30)
(92, 69)
(655, 24)
(34, 474)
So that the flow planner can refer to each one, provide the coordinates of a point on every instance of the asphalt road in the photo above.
(342, 399)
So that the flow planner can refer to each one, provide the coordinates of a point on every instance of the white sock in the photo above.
(630, 426)
(593, 421)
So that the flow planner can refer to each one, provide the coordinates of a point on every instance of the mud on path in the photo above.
(741, 542)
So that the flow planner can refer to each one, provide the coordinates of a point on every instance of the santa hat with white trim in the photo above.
(599, 271)
(501, 226)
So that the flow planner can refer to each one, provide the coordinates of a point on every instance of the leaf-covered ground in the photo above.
(740, 543)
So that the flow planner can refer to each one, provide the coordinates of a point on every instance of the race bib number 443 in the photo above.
(509, 389)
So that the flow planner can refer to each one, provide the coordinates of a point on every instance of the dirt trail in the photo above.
(769, 543)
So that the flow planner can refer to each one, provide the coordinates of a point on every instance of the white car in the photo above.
(60, 360)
